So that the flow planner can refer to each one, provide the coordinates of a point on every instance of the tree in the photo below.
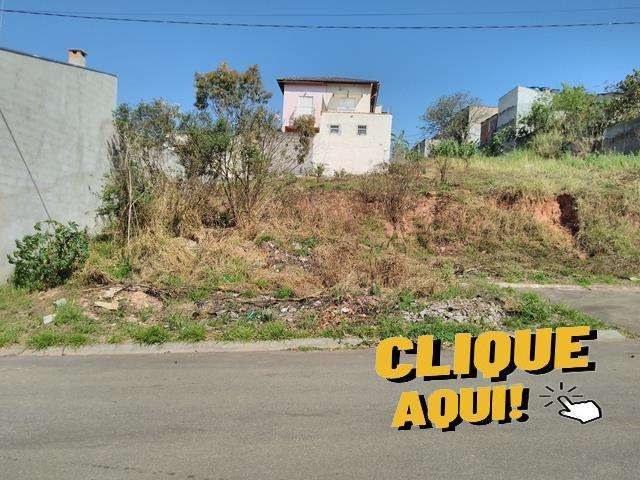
(445, 118)
(572, 119)
(258, 155)
(202, 144)
(626, 104)
(231, 95)
(583, 118)
(136, 153)
(151, 125)
(252, 170)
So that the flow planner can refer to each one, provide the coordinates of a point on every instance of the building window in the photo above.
(334, 129)
(362, 129)
(305, 106)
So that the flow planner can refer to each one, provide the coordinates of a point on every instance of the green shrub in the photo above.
(547, 145)
(449, 147)
(47, 258)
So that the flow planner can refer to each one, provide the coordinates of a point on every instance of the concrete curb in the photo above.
(217, 347)
(203, 347)
(566, 287)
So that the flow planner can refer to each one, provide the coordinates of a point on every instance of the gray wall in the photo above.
(516, 104)
(61, 117)
(623, 138)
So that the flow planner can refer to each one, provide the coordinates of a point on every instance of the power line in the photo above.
(321, 27)
(351, 14)
(33, 180)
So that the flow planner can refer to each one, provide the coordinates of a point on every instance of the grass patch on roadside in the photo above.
(8, 336)
(274, 330)
(45, 339)
(14, 299)
(536, 312)
(192, 333)
(153, 335)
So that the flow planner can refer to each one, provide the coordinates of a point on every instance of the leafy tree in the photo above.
(231, 95)
(444, 152)
(582, 117)
(136, 152)
(258, 154)
(201, 144)
(151, 125)
(572, 119)
(541, 118)
(626, 104)
(445, 117)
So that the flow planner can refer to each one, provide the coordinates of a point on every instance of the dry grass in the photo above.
(498, 217)
(339, 242)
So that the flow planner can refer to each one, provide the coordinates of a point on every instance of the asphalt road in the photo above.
(617, 306)
(294, 415)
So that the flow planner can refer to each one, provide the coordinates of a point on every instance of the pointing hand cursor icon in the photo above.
(584, 412)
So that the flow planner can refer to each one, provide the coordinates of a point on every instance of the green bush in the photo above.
(548, 144)
(47, 258)
(451, 148)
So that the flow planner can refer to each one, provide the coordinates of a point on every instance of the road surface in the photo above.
(619, 306)
(294, 415)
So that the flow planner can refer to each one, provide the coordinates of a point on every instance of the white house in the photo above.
(353, 133)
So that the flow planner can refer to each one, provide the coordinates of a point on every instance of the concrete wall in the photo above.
(517, 103)
(487, 129)
(623, 138)
(475, 116)
(347, 150)
(61, 117)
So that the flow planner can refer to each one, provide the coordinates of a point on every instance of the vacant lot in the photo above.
(367, 256)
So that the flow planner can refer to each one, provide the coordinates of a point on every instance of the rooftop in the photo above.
(17, 52)
(357, 81)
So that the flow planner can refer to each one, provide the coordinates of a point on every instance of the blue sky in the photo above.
(415, 67)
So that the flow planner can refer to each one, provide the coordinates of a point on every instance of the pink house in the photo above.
(354, 134)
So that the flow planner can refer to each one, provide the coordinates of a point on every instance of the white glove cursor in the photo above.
(584, 412)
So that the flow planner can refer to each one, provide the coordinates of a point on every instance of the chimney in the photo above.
(77, 57)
